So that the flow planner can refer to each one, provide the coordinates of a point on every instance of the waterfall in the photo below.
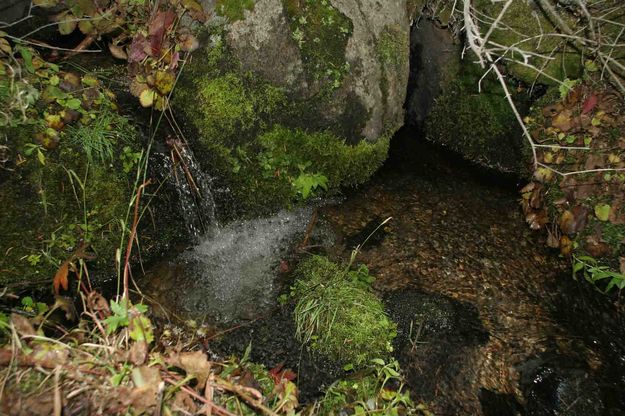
(193, 185)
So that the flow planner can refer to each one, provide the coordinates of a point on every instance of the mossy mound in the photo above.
(263, 144)
(480, 126)
(78, 195)
(338, 315)
(233, 9)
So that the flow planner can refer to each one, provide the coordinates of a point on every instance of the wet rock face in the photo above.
(552, 388)
(434, 59)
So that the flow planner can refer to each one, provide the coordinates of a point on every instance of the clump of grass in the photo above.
(338, 315)
(100, 137)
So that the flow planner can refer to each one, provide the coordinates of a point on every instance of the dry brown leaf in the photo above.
(118, 52)
(597, 248)
(138, 352)
(22, 325)
(193, 363)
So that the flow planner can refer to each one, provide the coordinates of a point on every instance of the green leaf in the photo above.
(566, 86)
(140, 329)
(41, 157)
(602, 212)
(27, 56)
(73, 103)
(67, 23)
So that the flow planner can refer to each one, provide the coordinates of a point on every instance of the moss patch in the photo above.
(523, 21)
(338, 315)
(321, 33)
(49, 209)
(479, 126)
(233, 9)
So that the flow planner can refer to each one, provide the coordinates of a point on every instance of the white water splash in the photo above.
(230, 274)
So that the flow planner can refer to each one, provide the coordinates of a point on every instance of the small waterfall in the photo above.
(193, 185)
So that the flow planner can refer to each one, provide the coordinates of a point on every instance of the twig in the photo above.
(131, 238)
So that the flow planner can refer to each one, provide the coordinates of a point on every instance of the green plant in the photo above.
(101, 136)
(594, 272)
(379, 389)
(337, 314)
(131, 316)
(306, 183)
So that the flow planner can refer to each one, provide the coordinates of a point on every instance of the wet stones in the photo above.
(553, 388)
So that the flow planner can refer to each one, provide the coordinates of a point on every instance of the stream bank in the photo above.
(489, 319)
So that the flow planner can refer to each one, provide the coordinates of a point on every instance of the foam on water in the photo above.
(230, 274)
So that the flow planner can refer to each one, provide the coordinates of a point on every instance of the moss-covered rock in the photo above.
(523, 26)
(307, 71)
(480, 126)
(338, 315)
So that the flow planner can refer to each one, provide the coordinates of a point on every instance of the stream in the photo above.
(490, 321)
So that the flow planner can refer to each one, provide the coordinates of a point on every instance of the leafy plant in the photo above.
(380, 389)
(306, 184)
(595, 273)
(126, 315)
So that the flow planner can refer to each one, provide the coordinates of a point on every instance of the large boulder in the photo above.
(319, 74)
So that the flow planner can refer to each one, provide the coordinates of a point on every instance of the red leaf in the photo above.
(161, 22)
(278, 374)
(589, 104)
(138, 47)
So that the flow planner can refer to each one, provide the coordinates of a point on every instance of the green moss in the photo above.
(338, 315)
(393, 48)
(321, 32)
(523, 21)
(233, 9)
(49, 209)
(478, 125)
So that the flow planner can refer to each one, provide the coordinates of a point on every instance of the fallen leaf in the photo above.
(566, 245)
(602, 212)
(138, 352)
(597, 248)
(118, 52)
(622, 264)
(147, 97)
(193, 363)
(574, 220)
(158, 26)
(589, 104)
(60, 278)
(22, 325)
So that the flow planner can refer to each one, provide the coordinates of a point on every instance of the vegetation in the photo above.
(578, 185)
(316, 23)
(476, 124)
(338, 316)
(233, 9)
(379, 389)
